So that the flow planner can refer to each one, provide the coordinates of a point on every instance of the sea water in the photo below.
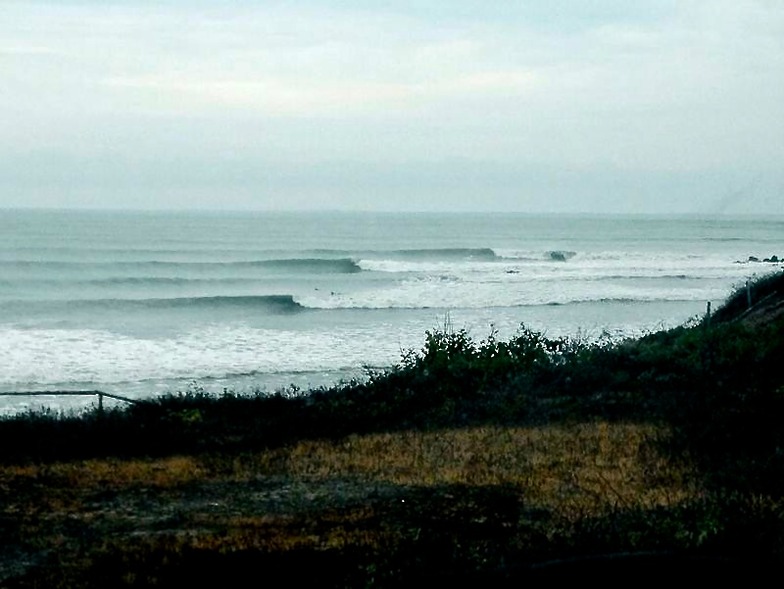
(141, 304)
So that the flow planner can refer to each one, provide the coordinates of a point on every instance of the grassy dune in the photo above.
(493, 461)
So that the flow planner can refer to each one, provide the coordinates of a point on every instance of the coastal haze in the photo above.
(654, 106)
(208, 197)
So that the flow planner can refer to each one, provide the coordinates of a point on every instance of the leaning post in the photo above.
(707, 348)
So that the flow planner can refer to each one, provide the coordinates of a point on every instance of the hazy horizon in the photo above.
(773, 216)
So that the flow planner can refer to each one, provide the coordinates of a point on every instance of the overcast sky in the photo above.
(651, 106)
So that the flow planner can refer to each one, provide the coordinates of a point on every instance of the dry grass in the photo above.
(590, 467)
(478, 484)
(111, 473)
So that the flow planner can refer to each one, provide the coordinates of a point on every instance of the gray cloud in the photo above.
(534, 106)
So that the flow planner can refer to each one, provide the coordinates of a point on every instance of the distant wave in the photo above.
(621, 300)
(265, 303)
(164, 281)
(648, 277)
(346, 264)
(458, 253)
(561, 255)
(502, 302)
(337, 266)
(305, 265)
(484, 254)
(664, 298)
(537, 256)
(127, 281)
(279, 303)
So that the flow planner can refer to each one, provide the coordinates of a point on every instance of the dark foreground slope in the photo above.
(492, 460)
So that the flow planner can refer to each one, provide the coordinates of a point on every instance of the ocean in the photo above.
(145, 303)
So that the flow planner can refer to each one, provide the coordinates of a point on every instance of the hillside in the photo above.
(762, 302)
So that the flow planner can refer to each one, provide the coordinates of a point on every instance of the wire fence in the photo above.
(99, 394)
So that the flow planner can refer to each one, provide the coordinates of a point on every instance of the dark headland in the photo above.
(488, 461)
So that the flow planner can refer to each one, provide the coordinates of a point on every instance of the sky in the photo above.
(564, 106)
